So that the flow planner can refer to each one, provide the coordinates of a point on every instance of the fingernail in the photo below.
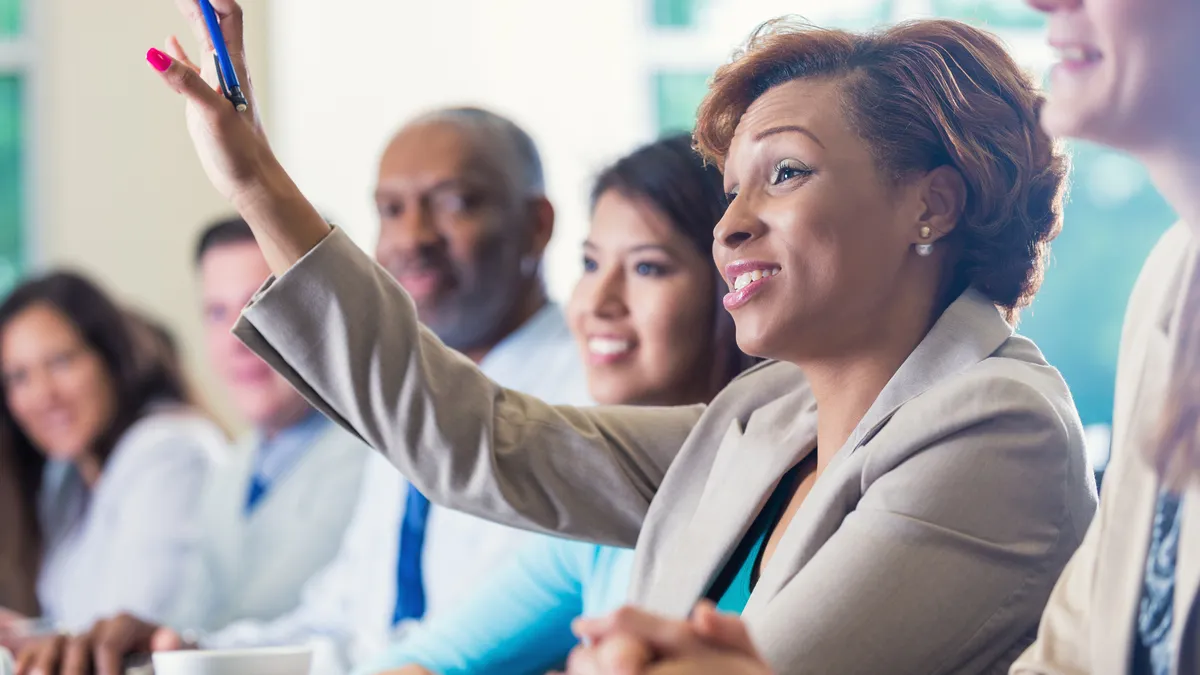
(159, 60)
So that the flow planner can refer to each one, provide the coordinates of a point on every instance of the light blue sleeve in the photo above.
(518, 622)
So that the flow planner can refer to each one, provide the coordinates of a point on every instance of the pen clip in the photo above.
(234, 95)
(221, 78)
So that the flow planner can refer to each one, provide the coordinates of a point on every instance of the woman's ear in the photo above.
(944, 197)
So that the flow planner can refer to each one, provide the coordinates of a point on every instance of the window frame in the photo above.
(18, 57)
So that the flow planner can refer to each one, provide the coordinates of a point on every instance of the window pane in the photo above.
(1004, 14)
(676, 97)
(675, 13)
(11, 183)
(10, 17)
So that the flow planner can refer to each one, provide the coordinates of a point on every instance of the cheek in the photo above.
(673, 325)
(477, 246)
(19, 403)
(578, 306)
(93, 391)
(807, 244)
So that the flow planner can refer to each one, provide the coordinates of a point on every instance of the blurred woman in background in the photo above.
(103, 454)
(648, 318)
(1128, 600)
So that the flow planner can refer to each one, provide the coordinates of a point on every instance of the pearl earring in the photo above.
(924, 250)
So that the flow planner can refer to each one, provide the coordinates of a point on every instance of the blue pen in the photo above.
(225, 72)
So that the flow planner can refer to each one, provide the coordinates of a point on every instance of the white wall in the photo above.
(118, 192)
(568, 72)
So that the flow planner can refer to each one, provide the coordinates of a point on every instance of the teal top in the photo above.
(732, 587)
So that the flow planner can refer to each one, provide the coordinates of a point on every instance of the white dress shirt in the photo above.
(313, 473)
(126, 545)
(346, 612)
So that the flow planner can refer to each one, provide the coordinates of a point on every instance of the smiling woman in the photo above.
(90, 391)
(896, 492)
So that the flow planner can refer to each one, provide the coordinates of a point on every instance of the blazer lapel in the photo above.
(970, 330)
(746, 470)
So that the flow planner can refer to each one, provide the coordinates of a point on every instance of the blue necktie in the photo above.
(410, 588)
(258, 490)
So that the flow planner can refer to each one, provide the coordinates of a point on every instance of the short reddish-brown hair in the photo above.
(924, 94)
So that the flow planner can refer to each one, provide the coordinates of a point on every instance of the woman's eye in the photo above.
(730, 196)
(647, 269)
(789, 170)
(589, 265)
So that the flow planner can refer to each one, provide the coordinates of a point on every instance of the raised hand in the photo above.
(232, 145)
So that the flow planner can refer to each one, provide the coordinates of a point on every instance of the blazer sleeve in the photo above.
(947, 559)
(345, 334)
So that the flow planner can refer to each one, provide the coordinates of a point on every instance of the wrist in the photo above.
(285, 223)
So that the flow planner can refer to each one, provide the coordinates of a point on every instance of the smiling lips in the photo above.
(748, 278)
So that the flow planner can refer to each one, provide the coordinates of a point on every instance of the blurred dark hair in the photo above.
(142, 360)
(673, 178)
(231, 230)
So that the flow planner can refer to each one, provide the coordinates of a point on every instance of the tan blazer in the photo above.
(1089, 624)
(929, 545)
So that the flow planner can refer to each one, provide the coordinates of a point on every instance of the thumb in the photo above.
(165, 640)
(724, 631)
(186, 81)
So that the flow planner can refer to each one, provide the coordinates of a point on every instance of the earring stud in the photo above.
(924, 250)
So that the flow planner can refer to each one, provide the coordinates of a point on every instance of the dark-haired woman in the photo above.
(647, 316)
(895, 491)
(104, 457)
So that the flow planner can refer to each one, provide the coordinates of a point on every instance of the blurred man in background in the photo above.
(277, 509)
(464, 222)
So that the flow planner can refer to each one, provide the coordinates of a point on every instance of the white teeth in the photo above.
(746, 278)
(1076, 54)
(608, 346)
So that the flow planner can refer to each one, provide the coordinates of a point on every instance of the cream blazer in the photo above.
(929, 545)
(1089, 624)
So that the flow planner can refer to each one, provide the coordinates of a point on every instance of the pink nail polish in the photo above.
(159, 60)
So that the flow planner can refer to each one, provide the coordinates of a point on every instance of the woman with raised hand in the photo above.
(896, 490)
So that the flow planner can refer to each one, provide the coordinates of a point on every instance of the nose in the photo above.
(738, 227)
(413, 230)
(605, 297)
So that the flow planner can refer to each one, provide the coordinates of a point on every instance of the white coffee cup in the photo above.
(265, 661)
